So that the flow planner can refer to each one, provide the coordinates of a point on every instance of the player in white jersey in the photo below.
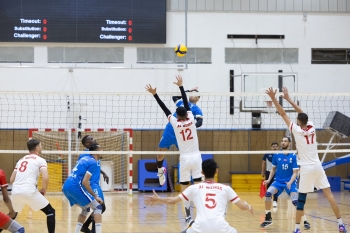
(311, 171)
(24, 180)
(185, 130)
(210, 199)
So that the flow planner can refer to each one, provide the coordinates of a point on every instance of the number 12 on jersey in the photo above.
(186, 134)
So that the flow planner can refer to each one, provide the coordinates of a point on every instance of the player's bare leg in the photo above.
(161, 169)
(268, 202)
(329, 195)
(187, 205)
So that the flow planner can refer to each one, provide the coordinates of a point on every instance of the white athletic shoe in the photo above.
(162, 175)
(274, 204)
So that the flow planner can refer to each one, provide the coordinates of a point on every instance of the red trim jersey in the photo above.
(306, 143)
(211, 201)
(186, 134)
(27, 172)
(3, 182)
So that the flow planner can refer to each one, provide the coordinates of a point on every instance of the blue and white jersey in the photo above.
(83, 155)
(86, 164)
(285, 164)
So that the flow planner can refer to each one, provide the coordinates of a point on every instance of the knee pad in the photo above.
(294, 197)
(301, 201)
(85, 211)
(197, 180)
(268, 196)
(96, 207)
(103, 207)
(185, 183)
(49, 211)
(15, 227)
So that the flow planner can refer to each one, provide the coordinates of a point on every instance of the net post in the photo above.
(129, 184)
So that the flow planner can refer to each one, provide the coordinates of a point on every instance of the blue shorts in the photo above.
(168, 138)
(97, 189)
(283, 186)
(76, 194)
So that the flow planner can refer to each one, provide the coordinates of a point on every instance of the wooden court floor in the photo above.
(130, 214)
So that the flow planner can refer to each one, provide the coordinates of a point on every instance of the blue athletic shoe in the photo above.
(297, 231)
(342, 228)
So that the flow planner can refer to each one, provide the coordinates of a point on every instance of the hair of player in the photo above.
(303, 118)
(32, 144)
(274, 143)
(94, 147)
(288, 138)
(209, 167)
(84, 139)
(181, 111)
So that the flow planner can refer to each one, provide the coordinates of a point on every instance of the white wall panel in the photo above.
(289, 7)
(315, 4)
(324, 5)
(333, 5)
(341, 5)
(219, 5)
(192, 5)
(254, 5)
(280, 5)
(227, 5)
(245, 5)
(174, 5)
(209, 5)
(271, 5)
(298, 5)
(263, 5)
(236, 5)
(201, 5)
(307, 5)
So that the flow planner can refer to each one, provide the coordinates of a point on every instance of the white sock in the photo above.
(304, 218)
(267, 211)
(98, 227)
(78, 227)
(297, 226)
(340, 221)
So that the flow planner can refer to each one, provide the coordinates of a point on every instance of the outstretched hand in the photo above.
(179, 80)
(150, 200)
(271, 92)
(285, 93)
(150, 89)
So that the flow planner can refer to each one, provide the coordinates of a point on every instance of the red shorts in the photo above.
(4, 218)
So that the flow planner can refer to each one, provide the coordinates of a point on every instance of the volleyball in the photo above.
(180, 50)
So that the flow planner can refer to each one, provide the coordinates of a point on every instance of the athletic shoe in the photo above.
(297, 231)
(85, 229)
(307, 225)
(189, 221)
(267, 222)
(162, 175)
(274, 204)
(342, 228)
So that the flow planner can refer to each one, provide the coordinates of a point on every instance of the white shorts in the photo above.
(312, 176)
(36, 201)
(211, 229)
(190, 166)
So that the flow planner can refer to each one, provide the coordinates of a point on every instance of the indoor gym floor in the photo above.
(130, 214)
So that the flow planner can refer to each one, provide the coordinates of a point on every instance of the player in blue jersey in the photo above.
(266, 167)
(87, 141)
(285, 169)
(78, 190)
(168, 138)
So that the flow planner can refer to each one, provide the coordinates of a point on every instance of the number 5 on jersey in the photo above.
(186, 134)
(210, 201)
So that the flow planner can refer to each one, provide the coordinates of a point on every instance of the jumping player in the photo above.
(311, 170)
(168, 138)
(187, 139)
(78, 191)
(24, 180)
(210, 199)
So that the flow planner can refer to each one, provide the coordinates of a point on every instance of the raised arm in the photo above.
(177, 98)
(153, 91)
(287, 97)
(183, 93)
(279, 108)
(150, 200)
